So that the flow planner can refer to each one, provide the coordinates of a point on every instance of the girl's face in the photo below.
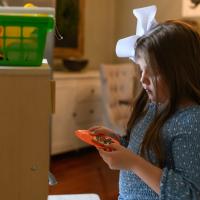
(152, 83)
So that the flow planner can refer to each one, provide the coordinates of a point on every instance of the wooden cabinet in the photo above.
(25, 106)
(78, 106)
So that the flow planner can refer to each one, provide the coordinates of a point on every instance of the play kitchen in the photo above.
(26, 103)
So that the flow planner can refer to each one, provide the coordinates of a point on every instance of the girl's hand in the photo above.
(119, 158)
(101, 130)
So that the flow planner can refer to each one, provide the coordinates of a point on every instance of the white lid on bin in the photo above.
(17, 10)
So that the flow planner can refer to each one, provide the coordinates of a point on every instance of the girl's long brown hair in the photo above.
(173, 49)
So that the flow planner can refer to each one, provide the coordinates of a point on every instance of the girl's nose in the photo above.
(144, 79)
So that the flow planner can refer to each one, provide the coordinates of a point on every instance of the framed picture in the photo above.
(191, 8)
(69, 28)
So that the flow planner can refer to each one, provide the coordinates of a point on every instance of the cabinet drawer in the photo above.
(89, 90)
(87, 113)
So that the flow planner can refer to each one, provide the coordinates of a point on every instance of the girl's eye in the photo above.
(140, 71)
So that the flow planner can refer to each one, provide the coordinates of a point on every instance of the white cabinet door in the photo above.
(78, 106)
(63, 126)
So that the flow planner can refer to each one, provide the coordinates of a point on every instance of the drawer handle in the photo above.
(92, 91)
(34, 168)
(74, 114)
(91, 111)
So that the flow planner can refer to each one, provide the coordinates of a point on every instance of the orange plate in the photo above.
(87, 137)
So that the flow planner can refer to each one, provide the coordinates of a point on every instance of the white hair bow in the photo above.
(145, 21)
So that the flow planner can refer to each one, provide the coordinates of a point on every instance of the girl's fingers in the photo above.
(95, 133)
(93, 128)
(101, 152)
(96, 130)
(115, 146)
(109, 148)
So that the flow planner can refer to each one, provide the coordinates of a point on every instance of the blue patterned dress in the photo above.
(181, 175)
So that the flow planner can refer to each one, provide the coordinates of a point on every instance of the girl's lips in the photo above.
(148, 91)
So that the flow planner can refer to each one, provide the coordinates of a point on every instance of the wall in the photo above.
(106, 21)
(98, 29)
(126, 22)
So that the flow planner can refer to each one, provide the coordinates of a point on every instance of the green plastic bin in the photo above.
(23, 39)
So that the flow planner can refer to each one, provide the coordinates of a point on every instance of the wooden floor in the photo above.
(83, 171)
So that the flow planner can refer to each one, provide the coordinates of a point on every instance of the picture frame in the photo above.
(69, 30)
(191, 8)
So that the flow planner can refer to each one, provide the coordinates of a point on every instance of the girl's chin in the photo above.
(159, 102)
(151, 98)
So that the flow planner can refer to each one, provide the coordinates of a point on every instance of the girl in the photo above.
(159, 158)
